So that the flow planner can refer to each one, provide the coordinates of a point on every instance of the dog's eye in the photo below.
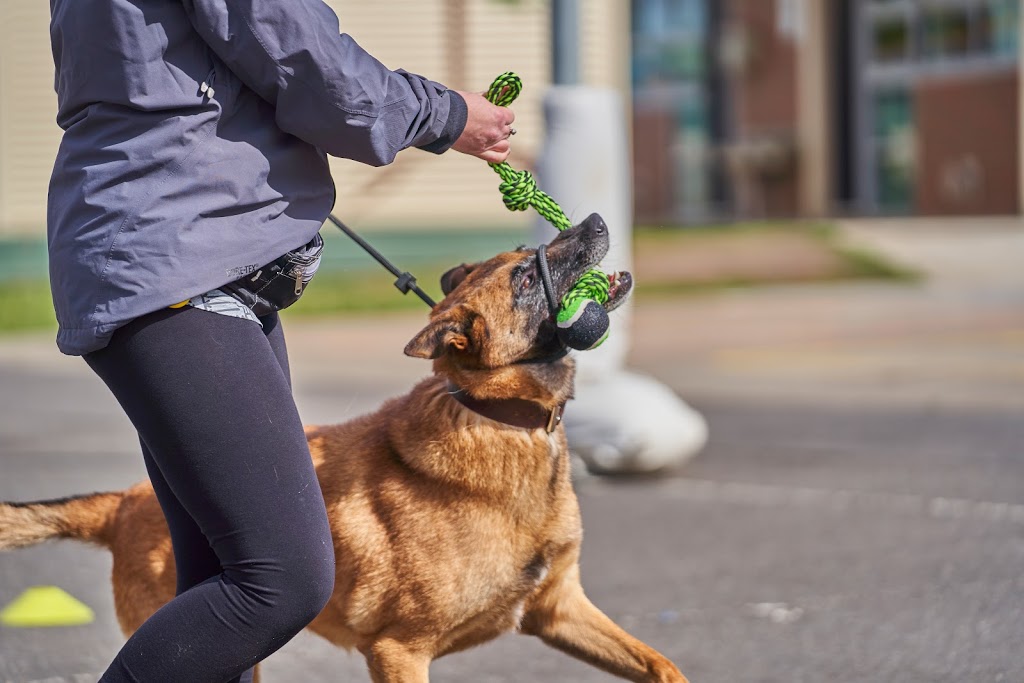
(527, 281)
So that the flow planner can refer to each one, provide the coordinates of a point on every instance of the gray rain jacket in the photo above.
(164, 189)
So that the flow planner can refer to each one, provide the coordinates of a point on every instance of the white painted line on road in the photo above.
(837, 500)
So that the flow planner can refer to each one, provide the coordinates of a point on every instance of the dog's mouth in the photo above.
(577, 251)
(620, 284)
(548, 345)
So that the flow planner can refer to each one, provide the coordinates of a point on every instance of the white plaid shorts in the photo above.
(217, 301)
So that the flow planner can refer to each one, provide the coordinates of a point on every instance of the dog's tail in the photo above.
(87, 518)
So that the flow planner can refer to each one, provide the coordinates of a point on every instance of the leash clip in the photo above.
(405, 283)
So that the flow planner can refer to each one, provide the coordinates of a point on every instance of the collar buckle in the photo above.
(555, 418)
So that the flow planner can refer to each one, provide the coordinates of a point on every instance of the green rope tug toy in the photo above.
(582, 321)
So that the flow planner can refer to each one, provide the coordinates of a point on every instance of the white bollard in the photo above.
(620, 421)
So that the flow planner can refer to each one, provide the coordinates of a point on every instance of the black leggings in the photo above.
(210, 396)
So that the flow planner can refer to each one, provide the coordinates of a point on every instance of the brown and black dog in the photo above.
(450, 528)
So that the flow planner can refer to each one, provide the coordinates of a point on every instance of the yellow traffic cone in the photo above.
(45, 606)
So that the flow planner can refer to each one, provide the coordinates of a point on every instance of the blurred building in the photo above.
(760, 108)
(741, 108)
(462, 43)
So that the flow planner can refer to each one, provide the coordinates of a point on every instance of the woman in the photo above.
(195, 153)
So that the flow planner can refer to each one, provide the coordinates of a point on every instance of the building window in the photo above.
(1001, 19)
(946, 31)
(890, 39)
(900, 43)
(941, 31)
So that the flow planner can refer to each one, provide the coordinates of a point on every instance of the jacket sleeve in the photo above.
(325, 89)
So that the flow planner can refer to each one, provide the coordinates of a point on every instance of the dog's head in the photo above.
(495, 314)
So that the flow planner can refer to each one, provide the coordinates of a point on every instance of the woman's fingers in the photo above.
(488, 128)
(498, 153)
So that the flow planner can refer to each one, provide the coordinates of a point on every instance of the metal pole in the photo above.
(565, 41)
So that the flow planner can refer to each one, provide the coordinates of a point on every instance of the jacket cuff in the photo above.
(458, 113)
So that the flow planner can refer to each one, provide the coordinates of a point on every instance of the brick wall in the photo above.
(764, 94)
(654, 178)
(968, 139)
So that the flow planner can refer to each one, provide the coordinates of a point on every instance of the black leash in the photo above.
(405, 282)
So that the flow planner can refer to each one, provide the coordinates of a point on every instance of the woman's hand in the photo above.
(488, 129)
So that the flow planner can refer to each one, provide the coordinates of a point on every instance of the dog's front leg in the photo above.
(563, 617)
(393, 662)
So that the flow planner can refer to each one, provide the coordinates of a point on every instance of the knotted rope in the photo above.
(519, 192)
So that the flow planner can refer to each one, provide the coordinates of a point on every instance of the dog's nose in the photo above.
(596, 223)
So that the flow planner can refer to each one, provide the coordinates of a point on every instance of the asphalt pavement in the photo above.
(857, 515)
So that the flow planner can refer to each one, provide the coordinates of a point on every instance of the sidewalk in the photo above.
(984, 253)
(954, 338)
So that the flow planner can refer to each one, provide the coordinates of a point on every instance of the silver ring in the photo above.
(511, 131)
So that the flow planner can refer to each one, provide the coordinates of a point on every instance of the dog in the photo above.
(452, 510)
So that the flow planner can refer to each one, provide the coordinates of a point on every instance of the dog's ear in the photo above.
(442, 334)
(453, 277)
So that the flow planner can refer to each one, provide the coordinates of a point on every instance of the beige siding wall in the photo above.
(28, 106)
(419, 190)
